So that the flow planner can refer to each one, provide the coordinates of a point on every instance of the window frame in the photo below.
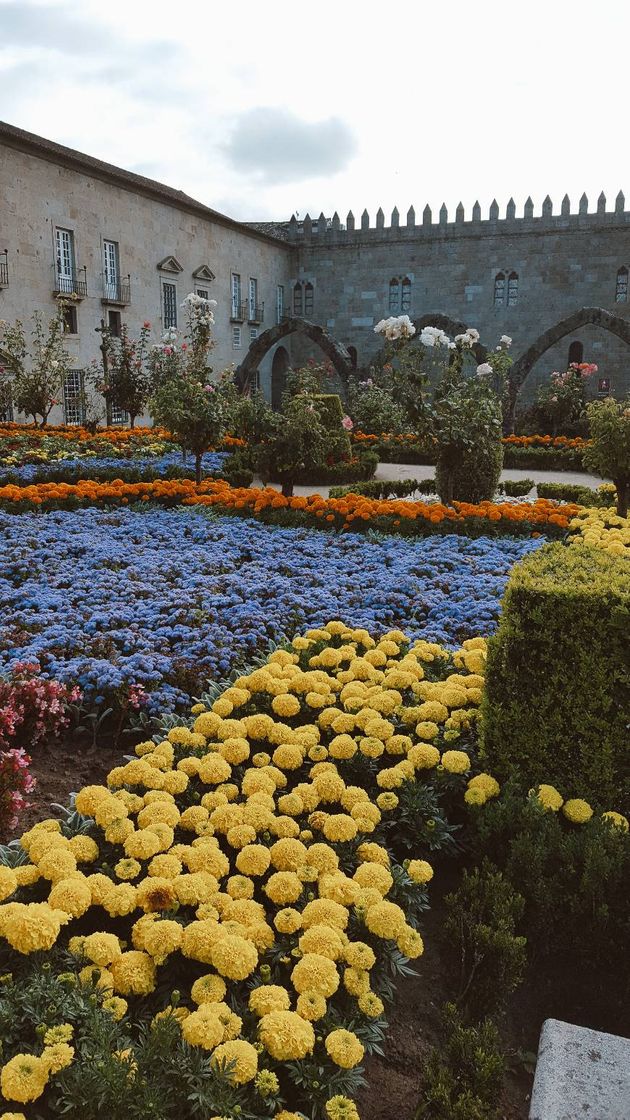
(499, 289)
(70, 398)
(235, 294)
(111, 277)
(237, 337)
(394, 296)
(279, 303)
(512, 289)
(309, 299)
(170, 284)
(67, 252)
(621, 284)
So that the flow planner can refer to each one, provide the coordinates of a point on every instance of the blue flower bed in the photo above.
(71, 470)
(170, 598)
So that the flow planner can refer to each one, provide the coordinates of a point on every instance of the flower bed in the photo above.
(221, 927)
(519, 452)
(165, 599)
(138, 468)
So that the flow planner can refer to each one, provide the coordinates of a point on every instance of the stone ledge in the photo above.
(581, 1074)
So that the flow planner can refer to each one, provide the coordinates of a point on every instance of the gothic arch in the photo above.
(586, 316)
(333, 350)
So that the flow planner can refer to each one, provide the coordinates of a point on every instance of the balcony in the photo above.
(117, 292)
(4, 269)
(75, 287)
(256, 314)
(238, 313)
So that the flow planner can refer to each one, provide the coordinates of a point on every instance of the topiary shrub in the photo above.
(558, 679)
(567, 492)
(515, 487)
(475, 477)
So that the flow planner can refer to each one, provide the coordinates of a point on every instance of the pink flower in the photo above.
(347, 423)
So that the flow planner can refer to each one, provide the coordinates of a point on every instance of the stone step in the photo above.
(581, 1074)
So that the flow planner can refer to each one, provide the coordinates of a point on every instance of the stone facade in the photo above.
(44, 186)
(511, 275)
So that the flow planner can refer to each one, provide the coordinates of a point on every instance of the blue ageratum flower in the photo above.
(171, 598)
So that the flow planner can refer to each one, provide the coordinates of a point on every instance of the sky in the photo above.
(262, 110)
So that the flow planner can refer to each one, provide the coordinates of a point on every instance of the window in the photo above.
(499, 289)
(203, 292)
(111, 270)
(254, 381)
(253, 334)
(405, 301)
(236, 296)
(279, 303)
(73, 397)
(621, 290)
(308, 300)
(512, 289)
(114, 323)
(394, 297)
(64, 253)
(253, 298)
(169, 305)
(576, 352)
(119, 416)
(352, 350)
(298, 304)
(70, 323)
(236, 338)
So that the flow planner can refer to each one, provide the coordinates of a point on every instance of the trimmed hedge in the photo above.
(567, 492)
(477, 476)
(358, 469)
(516, 487)
(557, 698)
(543, 458)
(383, 490)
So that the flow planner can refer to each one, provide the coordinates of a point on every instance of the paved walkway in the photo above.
(389, 471)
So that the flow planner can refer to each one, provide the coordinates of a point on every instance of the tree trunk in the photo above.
(198, 458)
(623, 494)
(132, 421)
(287, 488)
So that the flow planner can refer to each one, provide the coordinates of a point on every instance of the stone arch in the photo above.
(586, 316)
(333, 350)
(279, 367)
(451, 327)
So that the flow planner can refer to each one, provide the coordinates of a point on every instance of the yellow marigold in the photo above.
(58, 1056)
(344, 1048)
(485, 782)
(101, 948)
(8, 882)
(616, 819)
(315, 973)
(410, 943)
(286, 705)
(120, 900)
(116, 1007)
(291, 804)
(288, 854)
(369, 852)
(234, 957)
(283, 887)
(387, 801)
(133, 973)
(62, 1033)
(324, 940)
(359, 955)
(267, 998)
(288, 920)
(166, 866)
(371, 1005)
(356, 981)
(456, 762)
(241, 1056)
(340, 828)
(577, 811)
(199, 939)
(142, 844)
(84, 848)
(385, 919)
(208, 989)
(163, 938)
(214, 769)
(26, 874)
(419, 871)
(24, 1078)
(175, 782)
(89, 797)
(341, 1108)
(286, 1036)
(426, 729)
(31, 927)
(549, 798)
(72, 895)
(311, 1006)
(374, 875)
(203, 1028)
(253, 859)
(57, 864)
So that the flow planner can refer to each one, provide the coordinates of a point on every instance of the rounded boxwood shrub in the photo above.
(475, 478)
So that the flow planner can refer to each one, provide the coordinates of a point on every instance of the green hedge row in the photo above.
(383, 490)
(557, 700)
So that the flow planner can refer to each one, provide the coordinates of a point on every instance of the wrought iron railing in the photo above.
(238, 312)
(117, 291)
(256, 314)
(72, 285)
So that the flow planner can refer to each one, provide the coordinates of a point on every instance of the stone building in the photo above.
(131, 249)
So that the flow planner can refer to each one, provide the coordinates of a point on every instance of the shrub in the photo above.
(476, 475)
(462, 1076)
(32, 708)
(467, 426)
(359, 468)
(558, 687)
(568, 492)
(481, 927)
(516, 487)
(609, 453)
(15, 781)
(543, 458)
(373, 408)
(383, 490)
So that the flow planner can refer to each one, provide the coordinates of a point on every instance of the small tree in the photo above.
(34, 378)
(609, 453)
(296, 440)
(561, 403)
(126, 381)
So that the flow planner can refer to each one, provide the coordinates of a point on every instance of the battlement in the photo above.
(323, 230)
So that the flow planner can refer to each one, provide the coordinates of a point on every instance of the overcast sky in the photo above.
(265, 109)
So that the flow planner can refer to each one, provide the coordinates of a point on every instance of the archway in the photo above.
(586, 316)
(333, 350)
(279, 369)
(451, 327)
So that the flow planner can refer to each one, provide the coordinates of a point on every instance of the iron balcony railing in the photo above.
(256, 314)
(72, 285)
(4, 269)
(239, 312)
(117, 291)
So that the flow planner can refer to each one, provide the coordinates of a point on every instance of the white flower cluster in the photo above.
(484, 370)
(468, 339)
(200, 309)
(397, 326)
(504, 342)
(169, 336)
(433, 336)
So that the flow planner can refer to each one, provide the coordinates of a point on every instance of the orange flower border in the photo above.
(567, 442)
(352, 512)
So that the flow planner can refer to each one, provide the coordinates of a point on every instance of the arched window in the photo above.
(405, 302)
(308, 300)
(576, 352)
(352, 350)
(512, 289)
(297, 300)
(394, 296)
(499, 289)
(621, 290)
